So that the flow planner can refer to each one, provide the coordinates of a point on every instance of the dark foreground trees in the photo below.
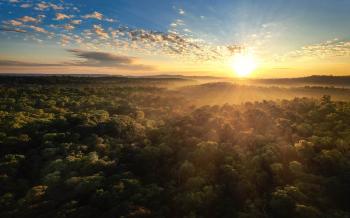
(94, 151)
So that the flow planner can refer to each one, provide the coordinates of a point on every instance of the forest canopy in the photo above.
(150, 147)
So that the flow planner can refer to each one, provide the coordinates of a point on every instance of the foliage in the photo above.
(146, 151)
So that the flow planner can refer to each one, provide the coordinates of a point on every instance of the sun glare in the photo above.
(243, 64)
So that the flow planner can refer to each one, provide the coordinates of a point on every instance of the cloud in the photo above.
(101, 57)
(56, 7)
(20, 23)
(328, 49)
(178, 42)
(104, 59)
(14, 23)
(181, 11)
(65, 39)
(110, 20)
(12, 30)
(76, 22)
(41, 6)
(26, 19)
(100, 32)
(60, 16)
(171, 43)
(95, 15)
(68, 27)
(26, 5)
(44, 5)
(40, 17)
(38, 29)
(86, 59)
(177, 22)
(235, 48)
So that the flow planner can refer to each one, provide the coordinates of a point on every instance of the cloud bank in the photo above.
(86, 59)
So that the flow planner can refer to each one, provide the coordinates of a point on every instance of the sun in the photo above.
(243, 64)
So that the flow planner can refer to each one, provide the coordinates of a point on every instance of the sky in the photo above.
(291, 38)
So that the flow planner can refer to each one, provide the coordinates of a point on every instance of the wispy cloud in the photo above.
(100, 32)
(12, 30)
(13, 23)
(42, 6)
(61, 16)
(178, 42)
(328, 49)
(26, 19)
(181, 11)
(38, 29)
(94, 15)
(56, 7)
(76, 22)
(111, 20)
(26, 5)
(68, 27)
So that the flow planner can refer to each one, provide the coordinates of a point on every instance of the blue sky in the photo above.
(154, 34)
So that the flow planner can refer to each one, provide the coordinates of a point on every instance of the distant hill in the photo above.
(310, 80)
(315, 80)
(86, 79)
(56, 75)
